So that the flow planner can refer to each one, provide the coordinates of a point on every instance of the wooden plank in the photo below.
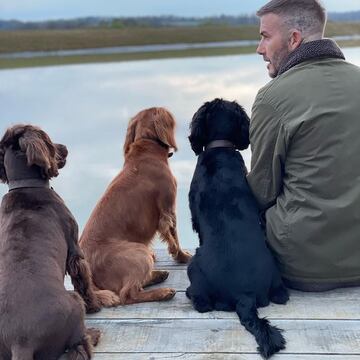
(221, 356)
(304, 306)
(228, 336)
(337, 304)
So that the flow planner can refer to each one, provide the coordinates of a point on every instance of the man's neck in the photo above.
(312, 38)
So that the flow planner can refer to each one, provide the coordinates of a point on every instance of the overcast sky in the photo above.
(57, 9)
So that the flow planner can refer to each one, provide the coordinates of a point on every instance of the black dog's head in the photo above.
(219, 120)
(35, 146)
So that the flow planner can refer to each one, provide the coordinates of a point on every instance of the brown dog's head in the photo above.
(156, 124)
(36, 145)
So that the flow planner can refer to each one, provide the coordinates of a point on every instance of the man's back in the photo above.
(306, 126)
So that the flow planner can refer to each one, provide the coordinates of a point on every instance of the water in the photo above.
(87, 108)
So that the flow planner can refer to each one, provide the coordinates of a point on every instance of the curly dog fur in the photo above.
(232, 270)
(38, 244)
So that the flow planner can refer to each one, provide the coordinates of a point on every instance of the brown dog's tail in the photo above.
(19, 352)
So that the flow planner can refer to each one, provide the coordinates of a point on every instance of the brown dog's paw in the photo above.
(108, 298)
(94, 335)
(183, 257)
(92, 307)
(167, 294)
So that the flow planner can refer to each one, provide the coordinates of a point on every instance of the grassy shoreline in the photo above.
(52, 40)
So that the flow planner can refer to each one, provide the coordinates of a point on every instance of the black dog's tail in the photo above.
(268, 337)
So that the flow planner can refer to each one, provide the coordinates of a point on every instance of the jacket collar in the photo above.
(324, 48)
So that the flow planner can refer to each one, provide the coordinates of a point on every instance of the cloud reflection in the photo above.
(87, 108)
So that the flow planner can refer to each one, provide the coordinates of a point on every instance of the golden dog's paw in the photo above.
(183, 256)
(108, 298)
(167, 294)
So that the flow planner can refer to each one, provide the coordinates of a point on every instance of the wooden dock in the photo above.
(317, 326)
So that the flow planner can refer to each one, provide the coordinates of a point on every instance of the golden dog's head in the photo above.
(155, 124)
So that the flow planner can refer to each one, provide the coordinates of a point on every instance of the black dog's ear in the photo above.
(243, 141)
(197, 136)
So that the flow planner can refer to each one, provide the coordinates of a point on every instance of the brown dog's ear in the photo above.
(164, 123)
(61, 154)
(3, 177)
(10, 139)
(39, 151)
(130, 134)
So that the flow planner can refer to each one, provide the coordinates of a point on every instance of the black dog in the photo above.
(232, 270)
(39, 319)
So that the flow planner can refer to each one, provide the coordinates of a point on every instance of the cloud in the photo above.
(55, 9)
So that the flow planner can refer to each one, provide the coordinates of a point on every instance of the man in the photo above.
(304, 134)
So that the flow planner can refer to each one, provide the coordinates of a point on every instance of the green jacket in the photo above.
(305, 170)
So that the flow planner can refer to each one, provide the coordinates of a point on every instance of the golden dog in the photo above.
(138, 203)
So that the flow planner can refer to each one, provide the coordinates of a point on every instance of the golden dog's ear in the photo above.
(164, 123)
(39, 150)
(130, 134)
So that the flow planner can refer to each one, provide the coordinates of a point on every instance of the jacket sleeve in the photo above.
(268, 146)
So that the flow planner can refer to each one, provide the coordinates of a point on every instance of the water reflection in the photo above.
(87, 107)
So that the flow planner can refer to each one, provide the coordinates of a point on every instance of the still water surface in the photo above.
(87, 108)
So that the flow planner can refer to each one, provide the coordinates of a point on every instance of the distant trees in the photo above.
(151, 21)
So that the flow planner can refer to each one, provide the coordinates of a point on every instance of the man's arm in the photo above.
(268, 146)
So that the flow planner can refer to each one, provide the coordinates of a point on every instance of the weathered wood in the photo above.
(317, 326)
(337, 304)
(219, 356)
(228, 336)
(300, 306)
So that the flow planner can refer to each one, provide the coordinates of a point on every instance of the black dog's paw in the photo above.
(279, 295)
(201, 305)
(222, 306)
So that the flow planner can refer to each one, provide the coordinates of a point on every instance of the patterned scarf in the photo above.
(324, 48)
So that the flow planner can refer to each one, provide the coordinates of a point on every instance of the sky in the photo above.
(35, 10)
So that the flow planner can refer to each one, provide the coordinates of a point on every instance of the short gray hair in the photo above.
(307, 16)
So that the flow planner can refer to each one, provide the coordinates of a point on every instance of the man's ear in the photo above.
(295, 39)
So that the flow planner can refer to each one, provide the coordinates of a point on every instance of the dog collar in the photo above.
(170, 153)
(219, 143)
(28, 183)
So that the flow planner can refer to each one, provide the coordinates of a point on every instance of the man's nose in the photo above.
(260, 48)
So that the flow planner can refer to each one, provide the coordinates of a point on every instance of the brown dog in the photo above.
(139, 202)
(38, 243)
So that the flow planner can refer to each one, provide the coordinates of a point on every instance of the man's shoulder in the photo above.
(303, 78)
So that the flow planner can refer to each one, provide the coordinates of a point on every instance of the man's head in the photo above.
(284, 25)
